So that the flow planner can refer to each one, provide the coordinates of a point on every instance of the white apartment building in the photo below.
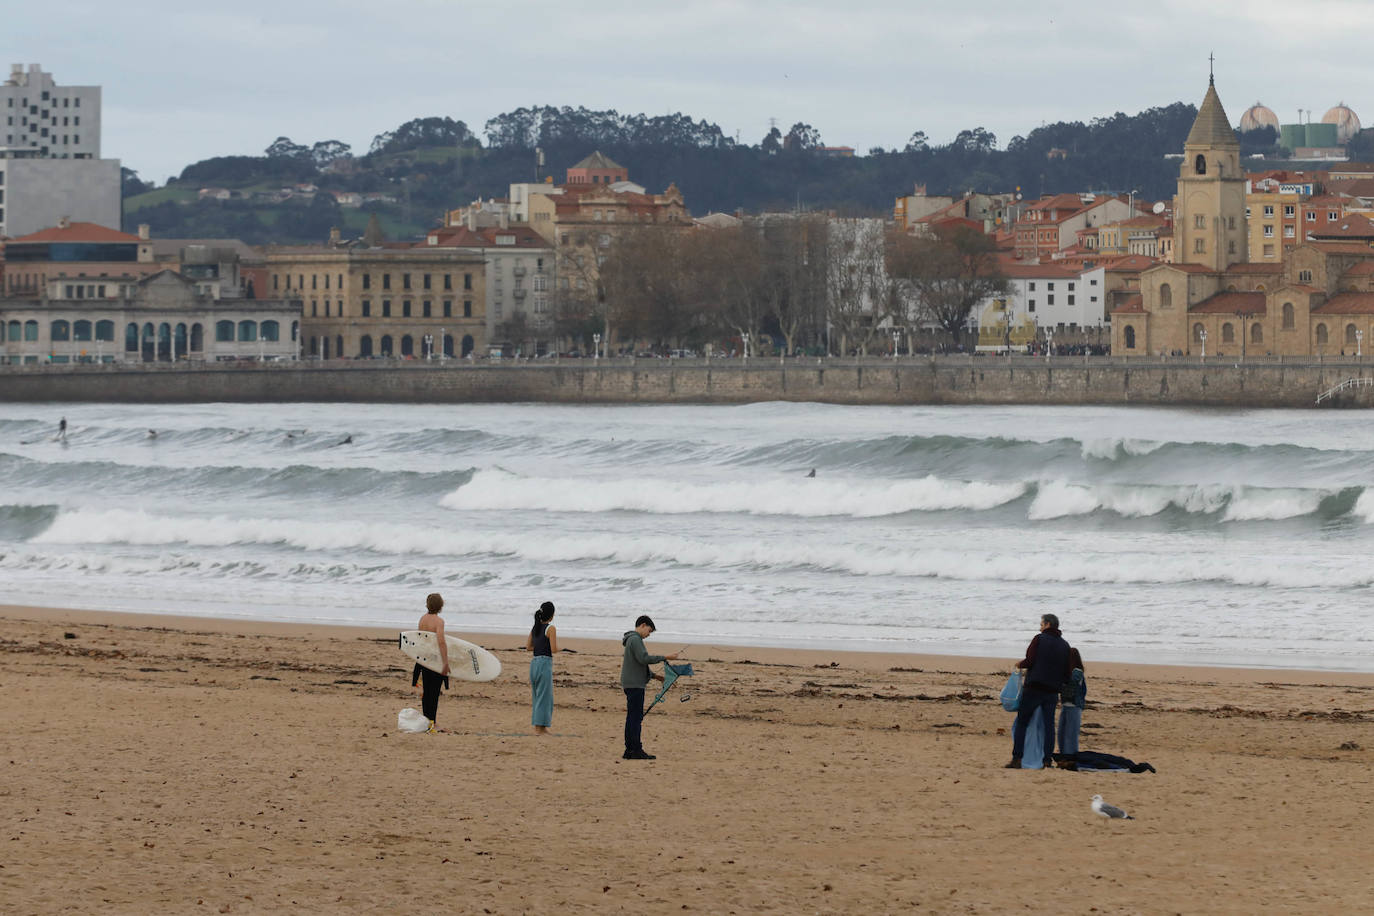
(48, 120)
(50, 165)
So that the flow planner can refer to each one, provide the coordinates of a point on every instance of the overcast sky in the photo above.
(184, 81)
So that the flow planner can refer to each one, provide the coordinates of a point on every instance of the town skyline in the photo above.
(213, 82)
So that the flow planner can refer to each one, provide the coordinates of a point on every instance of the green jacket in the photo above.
(634, 670)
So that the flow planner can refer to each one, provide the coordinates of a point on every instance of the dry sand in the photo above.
(157, 764)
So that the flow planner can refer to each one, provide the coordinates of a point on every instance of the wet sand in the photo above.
(156, 764)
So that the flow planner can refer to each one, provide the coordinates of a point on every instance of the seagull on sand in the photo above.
(1110, 812)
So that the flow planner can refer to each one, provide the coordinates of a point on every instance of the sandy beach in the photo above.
(156, 764)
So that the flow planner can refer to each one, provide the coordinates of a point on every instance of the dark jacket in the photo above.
(634, 670)
(1046, 662)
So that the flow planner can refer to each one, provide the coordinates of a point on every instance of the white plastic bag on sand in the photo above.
(411, 720)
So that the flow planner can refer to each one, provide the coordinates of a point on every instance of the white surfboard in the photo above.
(466, 661)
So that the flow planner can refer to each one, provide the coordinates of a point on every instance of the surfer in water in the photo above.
(543, 642)
(62, 428)
(429, 701)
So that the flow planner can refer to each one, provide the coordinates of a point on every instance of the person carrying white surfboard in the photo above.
(634, 677)
(433, 680)
(543, 642)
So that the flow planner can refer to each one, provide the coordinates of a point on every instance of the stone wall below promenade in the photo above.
(942, 380)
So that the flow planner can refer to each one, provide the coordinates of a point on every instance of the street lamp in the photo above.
(894, 343)
(1359, 341)
(443, 344)
(596, 340)
(745, 338)
(1202, 336)
(429, 346)
(1049, 342)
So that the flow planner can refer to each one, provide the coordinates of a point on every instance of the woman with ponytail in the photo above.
(543, 642)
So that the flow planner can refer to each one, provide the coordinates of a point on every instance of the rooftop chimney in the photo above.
(64, 222)
(143, 232)
(334, 236)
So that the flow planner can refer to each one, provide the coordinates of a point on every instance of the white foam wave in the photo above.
(1058, 498)
(626, 551)
(811, 497)
(1364, 506)
(1249, 504)
(1113, 449)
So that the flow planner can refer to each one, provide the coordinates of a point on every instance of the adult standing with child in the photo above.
(543, 642)
(1075, 697)
(1047, 670)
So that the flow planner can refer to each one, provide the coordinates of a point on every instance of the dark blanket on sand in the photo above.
(1095, 760)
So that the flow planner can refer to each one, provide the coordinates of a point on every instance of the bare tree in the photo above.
(944, 275)
(859, 290)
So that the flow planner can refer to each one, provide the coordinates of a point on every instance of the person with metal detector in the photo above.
(634, 677)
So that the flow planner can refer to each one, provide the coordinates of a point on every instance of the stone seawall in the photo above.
(944, 380)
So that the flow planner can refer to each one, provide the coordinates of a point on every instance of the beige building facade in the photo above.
(400, 302)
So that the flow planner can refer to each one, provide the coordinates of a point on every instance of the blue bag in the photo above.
(1011, 694)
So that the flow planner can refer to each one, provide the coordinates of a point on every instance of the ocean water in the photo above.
(1189, 536)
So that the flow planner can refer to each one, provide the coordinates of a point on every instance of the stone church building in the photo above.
(1211, 300)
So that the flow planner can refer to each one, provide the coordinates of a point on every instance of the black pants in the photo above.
(429, 700)
(634, 718)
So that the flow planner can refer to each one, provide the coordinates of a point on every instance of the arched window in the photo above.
(1256, 333)
(469, 343)
(1166, 296)
(15, 331)
(407, 346)
(181, 340)
(1197, 332)
(131, 337)
(1350, 334)
(248, 331)
(1228, 333)
(1200, 164)
(224, 331)
(81, 330)
(1130, 339)
(104, 330)
(271, 330)
(1321, 334)
(30, 330)
(365, 346)
(1288, 316)
(386, 345)
(448, 345)
(197, 338)
(61, 331)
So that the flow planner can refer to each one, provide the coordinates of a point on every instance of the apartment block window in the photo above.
(425, 309)
(467, 281)
(1268, 251)
(1230, 222)
(448, 281)
(314, 308)
(326, 308)
(386, 281)
(405, 308)
(1247, 212)
(1268, 210)
(367, 281)
(1050, 285)
(448, 308)
(1070, 286)
(405, 281)
(1031, 306)
(1268, 232)
(300, 281)
(1092, 282)
(386, 308)
(367, 308)
(276, 281)
(1331, 216)
(314, 282)
(1092, 298)
(467, 308)
(1304, 276)
(1311, 216)
(1199, 246)
(340, 281)
(1070, 300)
(427, 281)
(1199, 222)
(1031, 286)
(1288, 232)
(326, 281)
(1049, 300)
(1289, 210)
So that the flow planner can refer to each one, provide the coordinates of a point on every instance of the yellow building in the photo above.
(396, 301)
(1273, 218)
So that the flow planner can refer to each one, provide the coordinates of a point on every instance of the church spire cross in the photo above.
(1211, 77)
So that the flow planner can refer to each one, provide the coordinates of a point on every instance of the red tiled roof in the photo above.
(1362, 269)
(1255, 268)
(1229, 303)
(1131, 305)
(1335, 246)
(1347, 304)
(77, 232)
(1136, 262)
(1350, 226)
(1190, 268)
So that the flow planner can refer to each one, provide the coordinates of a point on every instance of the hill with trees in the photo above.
(428, 165)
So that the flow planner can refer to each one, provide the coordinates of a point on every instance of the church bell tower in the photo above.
(1209, 208)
